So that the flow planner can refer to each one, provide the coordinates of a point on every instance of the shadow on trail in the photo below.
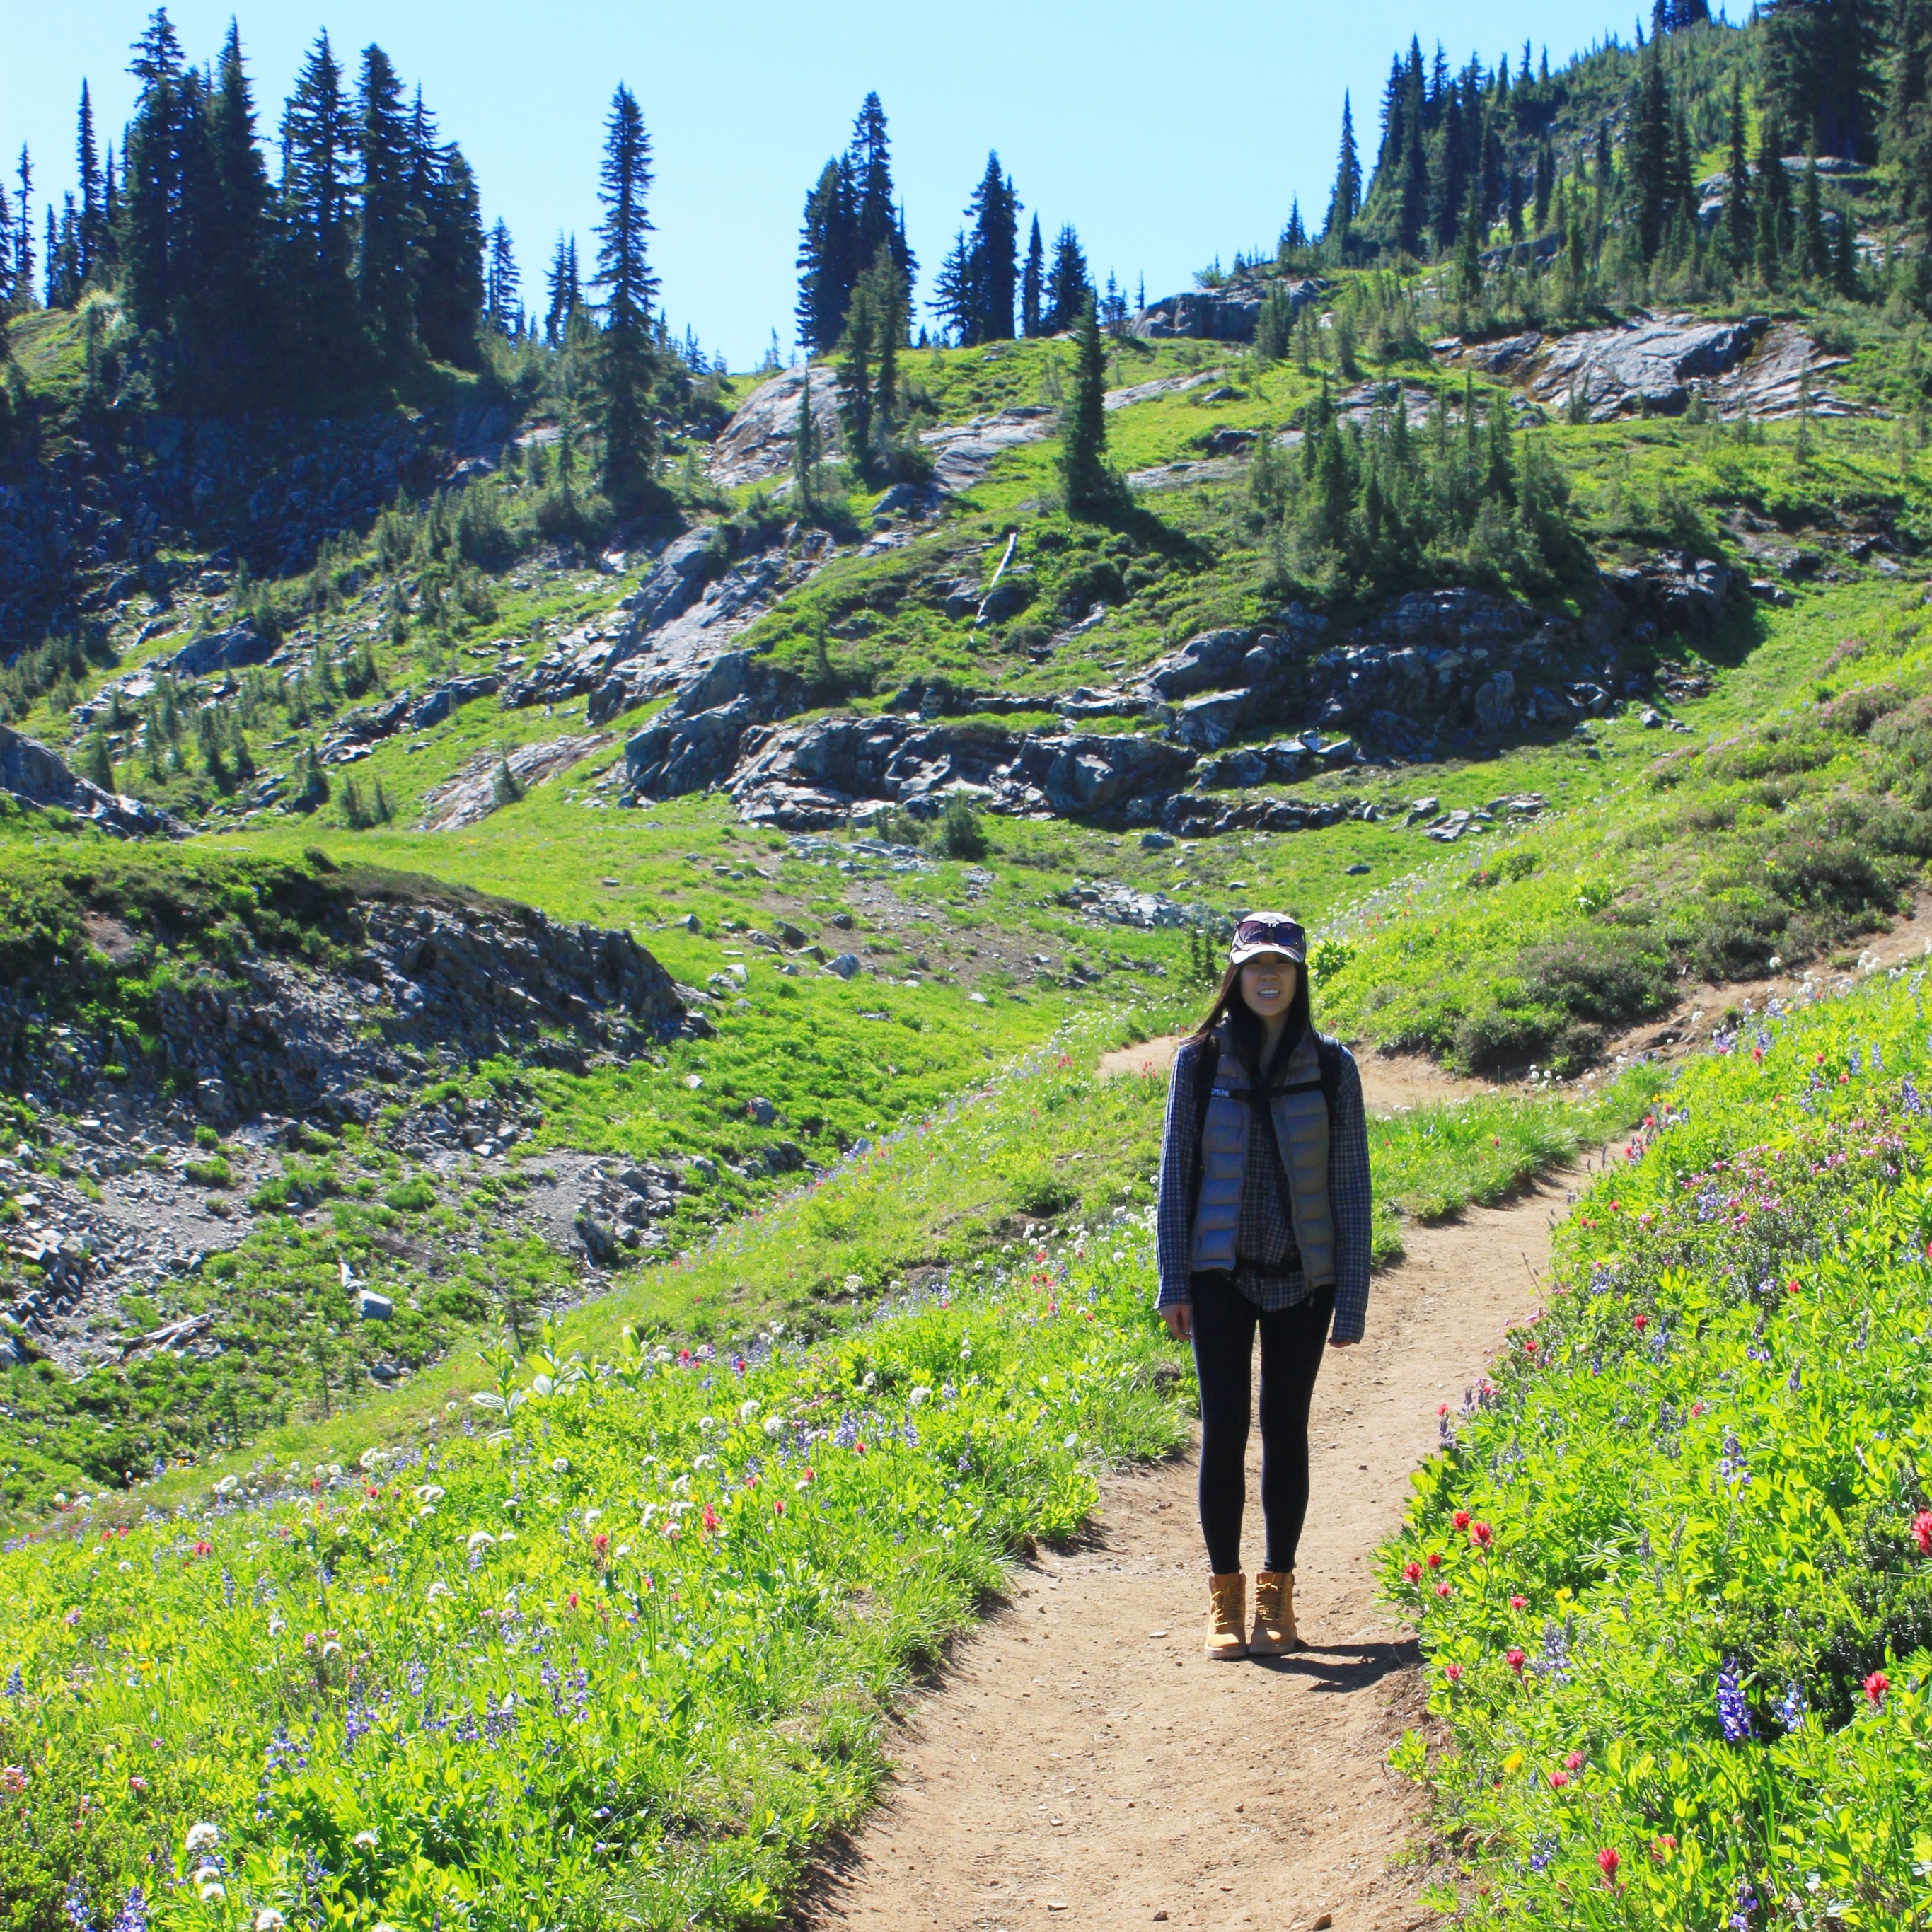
(1344, 1667)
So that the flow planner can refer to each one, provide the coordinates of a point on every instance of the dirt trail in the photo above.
(1081, 1763)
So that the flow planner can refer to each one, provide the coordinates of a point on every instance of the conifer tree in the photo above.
(316, 229)
(953, 293)
(1545, 182)
(389, 219)
(1032, 283)
(1089, 484)
(502, 308)
(1845, 257)
(1738, 225)
(856, 348)
(1344, 202)
(1821, 69)
(6, 268)
(1814, 258)
(1648, 148)
(626, 360)
(993, 257)
(88, 169)
(805, 450)
(447, 221)
(562, 291)
(152, 217)
(97, 764)
(827, 266)
(23, 238)
(1069, 285)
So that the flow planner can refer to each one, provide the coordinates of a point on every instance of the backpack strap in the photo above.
(1328, 1057)
(1207, 1065)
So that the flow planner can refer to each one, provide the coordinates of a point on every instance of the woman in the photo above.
(1263, 1223)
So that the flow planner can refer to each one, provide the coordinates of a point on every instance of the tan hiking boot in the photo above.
(1226, 1603)
(1274, 1632)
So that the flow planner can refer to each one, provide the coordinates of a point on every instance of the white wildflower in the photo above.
(920, 1394)
(480, 1539)
(746, 1410)
(269, 1920)
(203, 1837)
(774, 1426)
(561, 1464)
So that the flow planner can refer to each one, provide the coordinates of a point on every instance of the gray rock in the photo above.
(755, 446)
(1494, 701)
(846, 965)
(1228, 313)
(35, 775)
(1155, 842)
(373, 1307)
(213, 1103)
(962, 453)
(1206, 661)
(761, 1112)
(446, 698)
(1652, 362)
(234, 648)
(1210, 719)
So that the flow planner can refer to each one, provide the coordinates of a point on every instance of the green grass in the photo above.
(1670, 1571)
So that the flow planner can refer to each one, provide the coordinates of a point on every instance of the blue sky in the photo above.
(1166, 133)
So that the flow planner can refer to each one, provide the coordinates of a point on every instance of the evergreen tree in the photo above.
(447, 216)
(1821, 70)
(1069, 286)
(389, 219)
(98, 763)
(1648, 150)
(563, 293)
(88, 168)
(1412, 189)
(316, 232)
(1814, 251)
(23, 238)
(1344, 202)
(6, 293)
(1449, 187)
(626, 361)
(1293, 237)
(826, 259)
(152, 212)
(1090, 484)
(857, 348)
(231, 235)
(502, 308)
(1031, 283)
(1908, 121)
(952, 295)
(1545, 182)
(1738, 225)
(993, 256)
(876, 224)
(805, 450)
(1845, 257)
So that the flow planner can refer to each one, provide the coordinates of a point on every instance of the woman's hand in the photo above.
(1336, 1342)
(1179, 1316)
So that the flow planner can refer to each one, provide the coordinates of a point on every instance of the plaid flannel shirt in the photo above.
(1270, 1270)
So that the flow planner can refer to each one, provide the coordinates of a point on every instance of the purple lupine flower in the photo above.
(79, 1914)
(1733, 1713)
(1791, 1712)
(133, 1916)
(1741, 1918)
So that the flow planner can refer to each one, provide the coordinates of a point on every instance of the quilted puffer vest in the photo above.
(1300, 1115)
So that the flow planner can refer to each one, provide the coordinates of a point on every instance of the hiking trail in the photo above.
(1081, 1762)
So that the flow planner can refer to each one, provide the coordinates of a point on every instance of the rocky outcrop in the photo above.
(755, 446)
(477, 791)
(1227, 313)
(962, 453)
(34, 776)
(90, 526)
(1432, 664)
(235, 649)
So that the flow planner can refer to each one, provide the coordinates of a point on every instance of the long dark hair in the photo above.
(1245, 1027)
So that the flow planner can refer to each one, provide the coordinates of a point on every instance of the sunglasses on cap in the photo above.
(1266, 933)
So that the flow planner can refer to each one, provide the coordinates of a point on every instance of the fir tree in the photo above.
(1031, 284)
(1814, 258)
(827, 267)
(993, 257)
(316, 231)
(87, 169)
(152, 213)
(563, 293)
(502, 308)
(1069, 286)
(1845, 259)
(1545, 182)
(1821, 70)
(448, 221)
(1412, 190)
(23, 237)
(6, 293)
(805, 450)
(1089, 484)
(952, 293)
(389, 219)
(1648, 148)
(1344, 202)
(626, 361)
(1738, 225)
(98, 763)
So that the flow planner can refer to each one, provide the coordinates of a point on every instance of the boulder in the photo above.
(35, 775)
(1495, 702)
(1206, 660)
(446, 698)
(1211, 718)
(234, 648)
(755, 446)
(1651, 362)
(962, 453)
(1228, 313)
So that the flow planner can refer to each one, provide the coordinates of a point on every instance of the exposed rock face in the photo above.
(962, 453)
(471, 795)
(232, 649)
(755, 446)
(86, 530)
(35, 775)
(1228, 313)
(1662, 363)
(1663, 595)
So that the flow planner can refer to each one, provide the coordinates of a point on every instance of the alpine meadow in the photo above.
(590, 945)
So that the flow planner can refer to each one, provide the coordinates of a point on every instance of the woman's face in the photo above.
(1268, 982)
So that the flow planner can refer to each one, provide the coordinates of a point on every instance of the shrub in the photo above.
(960, 834)
(410, 1197)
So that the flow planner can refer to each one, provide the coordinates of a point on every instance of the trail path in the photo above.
(1081, 1763)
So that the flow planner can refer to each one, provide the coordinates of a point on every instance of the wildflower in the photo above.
(1877, 1685)
(1442, 1589)
(12, 1778)
(561, 1464)
(919, 1396)
(1733, 1713)
(202, 1837)
(1436, 1559)
(746, 1410)
(599, 1544)
(1518, 1603)
(1791, 1712)
(572, 1600)
(366, 1840)
(480, 1539)
(1642, 1321)
(1412, 1571)
(1454, 1672)
(778, 1507)
(269, 1920)
(1607, 1862)
(710, 1520)
(1481, 1534)
(774, 1427)
(72, 1617)
(1557, 1779)
(1661, 1847)
(1515, 1659)
(1921, 1531)
(1574, 1762)
(1461, 1519)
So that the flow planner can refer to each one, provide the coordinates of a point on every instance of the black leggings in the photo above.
(1224, 1322)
